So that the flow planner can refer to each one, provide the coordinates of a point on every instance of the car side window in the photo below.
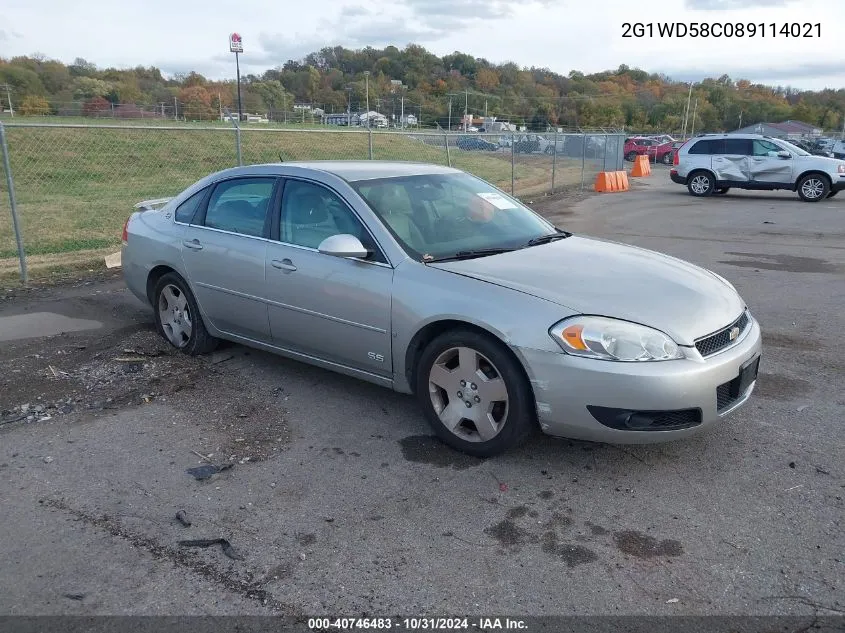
(311, 213)
(240, 205)
(737, 146)
(707, 146)
(186, 211)
(762, 148)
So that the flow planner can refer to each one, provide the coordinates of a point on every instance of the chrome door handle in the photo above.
(284, 264)
(192, 244)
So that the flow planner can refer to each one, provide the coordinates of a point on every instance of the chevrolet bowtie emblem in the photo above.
(734, 333)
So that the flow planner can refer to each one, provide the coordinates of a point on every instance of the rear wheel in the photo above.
(177, 316)
(474, 394)
(701, 183)
(667, 158)
(813, 187)
(630, 156)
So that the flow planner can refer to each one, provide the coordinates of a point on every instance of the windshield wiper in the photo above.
(481, 252)
(545, 239)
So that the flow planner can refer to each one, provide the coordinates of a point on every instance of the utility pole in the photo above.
(348, 106)
(466, 108)
(450, 114)
(367, 84)
(485, 108)
(740, 118)
(686, 113)
(402, 112)
(175, 109)
(692, 126)
(219, 106)
(9, 99)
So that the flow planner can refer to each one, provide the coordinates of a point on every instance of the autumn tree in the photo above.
(34, 104)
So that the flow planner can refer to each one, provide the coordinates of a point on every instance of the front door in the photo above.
(224, 252)
(765, 164)
(333, 308)
(731, 163)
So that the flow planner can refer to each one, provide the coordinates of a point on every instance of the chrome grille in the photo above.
(713, 343)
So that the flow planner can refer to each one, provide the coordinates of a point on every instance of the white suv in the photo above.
(713, 163)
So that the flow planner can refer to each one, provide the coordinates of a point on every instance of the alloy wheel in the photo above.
(812, 188)
(468, 393)
(175, 315)
(700, 184)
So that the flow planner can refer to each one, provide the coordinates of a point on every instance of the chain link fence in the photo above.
(73, 186)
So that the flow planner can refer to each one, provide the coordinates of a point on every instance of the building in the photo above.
(341, 118)
(789, 130)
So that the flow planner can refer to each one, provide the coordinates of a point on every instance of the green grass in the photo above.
(76, 186)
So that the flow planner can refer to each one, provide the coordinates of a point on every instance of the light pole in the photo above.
(367, 84)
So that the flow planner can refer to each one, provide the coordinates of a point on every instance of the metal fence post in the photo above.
(554, 162)
(448, 155)
(583, 157)
(10, 183)
(604, 155)
(513, 161)
(370, 140)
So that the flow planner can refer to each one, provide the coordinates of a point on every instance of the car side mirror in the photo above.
(784, 154)
(343, 245)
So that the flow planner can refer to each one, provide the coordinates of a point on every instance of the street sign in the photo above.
(236, 45)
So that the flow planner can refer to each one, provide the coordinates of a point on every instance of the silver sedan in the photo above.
(433, 282)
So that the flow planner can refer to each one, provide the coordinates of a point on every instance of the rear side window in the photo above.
(738, 146)
(240, 205)
(186, 211)
(708, 146)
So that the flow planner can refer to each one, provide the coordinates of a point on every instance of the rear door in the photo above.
(223, 250)
(766, 166)
(730, 161)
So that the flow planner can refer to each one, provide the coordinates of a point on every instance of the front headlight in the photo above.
(840, 169)
(612, 339)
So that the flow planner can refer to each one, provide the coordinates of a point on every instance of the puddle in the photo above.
(780, 387)
(41, 324)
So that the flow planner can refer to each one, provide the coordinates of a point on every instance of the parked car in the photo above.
(838, 150)
(713, 163)
(430, 281)
(475, 143)
(645, 146)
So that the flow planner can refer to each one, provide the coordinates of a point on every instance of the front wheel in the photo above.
(701, 184)
(474, 394)
(813, 187)
(177, 316)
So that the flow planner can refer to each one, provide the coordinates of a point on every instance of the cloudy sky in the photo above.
(562, 35)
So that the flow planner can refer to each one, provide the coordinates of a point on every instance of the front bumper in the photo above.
(676, 178)
(565, 386)
(838, 185)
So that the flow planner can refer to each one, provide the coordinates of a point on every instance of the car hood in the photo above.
(600, 277)
(827, 161)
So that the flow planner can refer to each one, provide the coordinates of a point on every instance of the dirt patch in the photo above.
(546, 494)
(517, 512)
(786, 263)
(780, 387)
(642, 545)
(427, 449)
(596, 530)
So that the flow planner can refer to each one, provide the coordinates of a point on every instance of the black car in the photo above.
(475, 143)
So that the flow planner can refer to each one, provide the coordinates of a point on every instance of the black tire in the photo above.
(518, 418)
(832, 193)
(667, 158)
(818, 184)
(701, 183)
(630, 156)
(199, 341)
(723, 190)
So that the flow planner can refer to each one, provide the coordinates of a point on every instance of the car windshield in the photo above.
(795, 149)
(435, 216)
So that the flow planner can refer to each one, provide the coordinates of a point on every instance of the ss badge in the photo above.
(374, 356)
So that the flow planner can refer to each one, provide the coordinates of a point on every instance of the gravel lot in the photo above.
(341, 502)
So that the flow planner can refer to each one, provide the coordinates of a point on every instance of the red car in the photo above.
(656, 150)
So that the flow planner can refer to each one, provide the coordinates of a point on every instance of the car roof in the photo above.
(353, 170)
